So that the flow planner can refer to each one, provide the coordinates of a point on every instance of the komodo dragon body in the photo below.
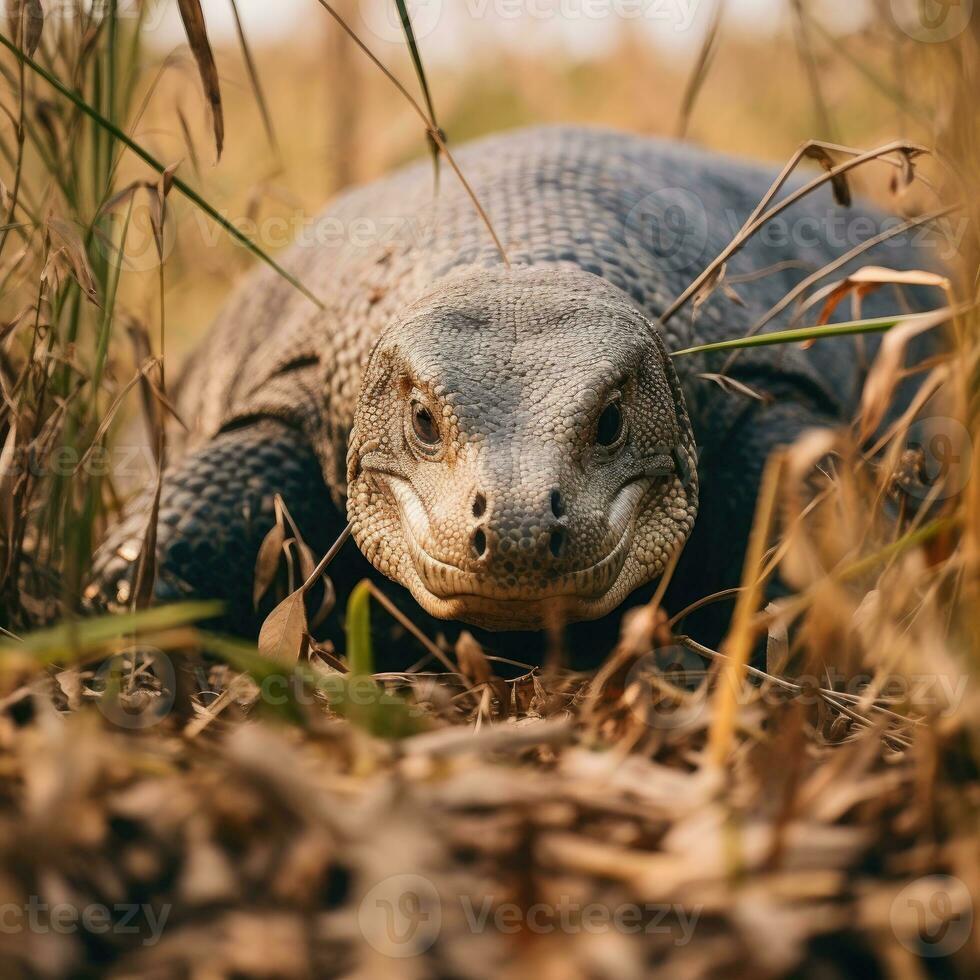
(514, 445)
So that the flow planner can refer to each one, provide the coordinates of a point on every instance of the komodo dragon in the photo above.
(510, 444)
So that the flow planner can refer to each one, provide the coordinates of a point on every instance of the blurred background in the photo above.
(747, 77)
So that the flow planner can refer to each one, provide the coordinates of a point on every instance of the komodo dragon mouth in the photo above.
(518, 497)
(566, 596)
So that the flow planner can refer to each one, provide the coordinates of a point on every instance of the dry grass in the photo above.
(676, 810)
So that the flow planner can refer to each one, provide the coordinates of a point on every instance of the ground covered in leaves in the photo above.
(556, 825)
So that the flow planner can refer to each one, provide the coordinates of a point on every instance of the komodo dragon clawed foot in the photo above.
(216, 506)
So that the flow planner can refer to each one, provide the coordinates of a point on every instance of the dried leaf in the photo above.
(906, 172)
(864, 281)
(886, 370)
(197, 35)
(731, 294)
(307, 563)
(473, 663)
(777, 642)
(253, 77)
(158, 210)
(327, 603)
(8, 478)
(70, 683)
(281, 636)
(841, 189)
(871, 277)
(735, 386)
(902, 277)
(74, 251)
(708, 286)
(146, 570)
(267, 561)
(29, 16)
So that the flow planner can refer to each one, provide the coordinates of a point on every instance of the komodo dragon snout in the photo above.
(521, 452)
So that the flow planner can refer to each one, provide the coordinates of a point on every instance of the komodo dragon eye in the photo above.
(424, 425)
(610, 425)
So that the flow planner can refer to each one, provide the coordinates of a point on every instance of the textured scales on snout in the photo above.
(514, 446)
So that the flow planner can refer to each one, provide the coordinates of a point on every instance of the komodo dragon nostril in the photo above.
(557, 543)
(557, 504)
(479, 505)
(479, 543)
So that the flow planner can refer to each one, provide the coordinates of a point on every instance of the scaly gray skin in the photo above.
(509, 511)
(458, 406)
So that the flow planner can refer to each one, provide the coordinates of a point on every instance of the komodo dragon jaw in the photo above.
(521, 453)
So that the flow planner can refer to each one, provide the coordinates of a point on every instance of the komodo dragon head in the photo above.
(521, 453)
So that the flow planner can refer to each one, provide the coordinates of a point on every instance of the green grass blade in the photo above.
(70, 639)
(801, 334)
(185, 189)
(360, 656)
(356, 698)
(416, 57)
(423, 82)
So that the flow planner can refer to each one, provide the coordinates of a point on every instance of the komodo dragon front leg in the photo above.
(216, 506)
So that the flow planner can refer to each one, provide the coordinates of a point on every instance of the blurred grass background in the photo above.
(338, 121)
